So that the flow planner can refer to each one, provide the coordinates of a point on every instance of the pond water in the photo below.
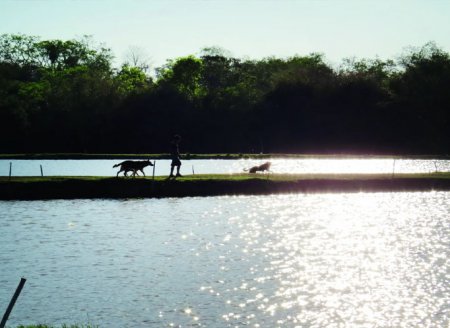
(279, 165)
(307, 260)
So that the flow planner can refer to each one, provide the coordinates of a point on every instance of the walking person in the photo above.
(175, 156)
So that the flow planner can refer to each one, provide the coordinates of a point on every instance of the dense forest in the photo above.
(69, 96)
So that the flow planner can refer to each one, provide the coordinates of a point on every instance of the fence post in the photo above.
(12, 302)
(193, 173)
(42, 173)
(10, 169)
(154, 165)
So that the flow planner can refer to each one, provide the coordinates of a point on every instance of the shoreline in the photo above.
(224, 156)
(41, 188)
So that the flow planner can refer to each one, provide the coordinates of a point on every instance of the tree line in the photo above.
(67, 96)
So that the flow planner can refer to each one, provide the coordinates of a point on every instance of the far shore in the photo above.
(225, 156)
(34, 188)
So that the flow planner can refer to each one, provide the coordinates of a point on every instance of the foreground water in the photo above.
(319, 260)
(279, 165)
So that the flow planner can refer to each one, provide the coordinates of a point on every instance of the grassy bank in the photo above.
(60, 326)
(209, 156)
(123, 156)
(28, 188)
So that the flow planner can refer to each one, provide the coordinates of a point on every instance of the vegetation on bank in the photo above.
(130, 156)
(28, 188)
(66, 96)
(85, 156)
(234, 177)
(59, 326)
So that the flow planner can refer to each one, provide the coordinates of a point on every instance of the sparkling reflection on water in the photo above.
(319, 260)
(279, 165)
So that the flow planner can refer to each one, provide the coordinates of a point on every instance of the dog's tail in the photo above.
(117, 164)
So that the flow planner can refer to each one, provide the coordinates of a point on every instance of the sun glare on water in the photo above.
(340, 261)
(347, 165)
(297, 260)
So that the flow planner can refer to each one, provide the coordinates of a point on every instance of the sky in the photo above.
(253, 29)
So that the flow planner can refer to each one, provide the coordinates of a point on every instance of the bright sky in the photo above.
(247, 28)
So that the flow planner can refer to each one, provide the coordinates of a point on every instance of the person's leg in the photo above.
(178, 171)
(171, 171)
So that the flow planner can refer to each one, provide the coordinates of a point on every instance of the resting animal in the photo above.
(262, 168)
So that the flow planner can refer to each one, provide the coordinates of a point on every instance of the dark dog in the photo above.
(133, 166)
(262, 168)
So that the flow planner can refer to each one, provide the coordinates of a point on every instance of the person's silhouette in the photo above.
(175, 156)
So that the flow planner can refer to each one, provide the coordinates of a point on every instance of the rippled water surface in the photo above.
(319, 260)
(279, 165)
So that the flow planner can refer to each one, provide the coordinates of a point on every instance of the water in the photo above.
(306, 260)
(312, 165)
